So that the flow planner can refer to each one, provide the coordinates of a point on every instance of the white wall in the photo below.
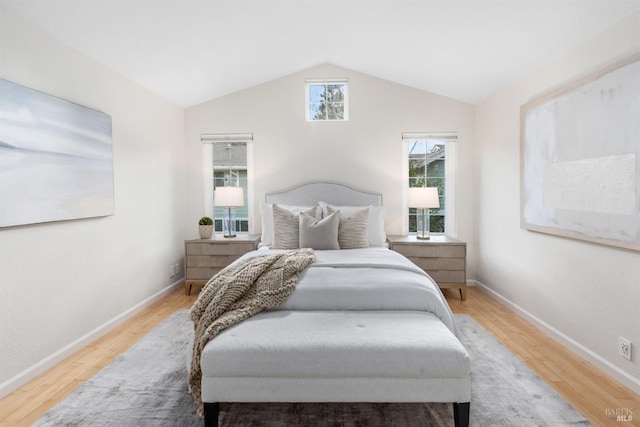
(365, 151)
(588, 293)
(60, 281)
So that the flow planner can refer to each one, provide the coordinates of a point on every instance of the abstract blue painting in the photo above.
(56, 158)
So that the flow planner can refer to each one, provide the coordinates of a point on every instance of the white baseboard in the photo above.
(599, 362)
(50, 361)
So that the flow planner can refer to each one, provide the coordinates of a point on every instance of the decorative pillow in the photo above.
(286, 233)
(319, 234)
(266, 210)
(353, 229)
(376, 234)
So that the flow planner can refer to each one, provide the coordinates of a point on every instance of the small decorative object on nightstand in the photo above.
(205, 227)
(204, 258)
(442, 257)
(228, 197)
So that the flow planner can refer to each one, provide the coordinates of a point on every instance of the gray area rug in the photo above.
(147, 386)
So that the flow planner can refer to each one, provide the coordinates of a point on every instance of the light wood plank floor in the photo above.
(591, 392)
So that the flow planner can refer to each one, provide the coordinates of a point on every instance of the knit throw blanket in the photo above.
(238, 292)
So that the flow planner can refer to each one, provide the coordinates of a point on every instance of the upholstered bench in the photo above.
(337, 356)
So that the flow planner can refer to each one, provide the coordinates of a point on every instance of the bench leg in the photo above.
(211, 411)
(461, 414)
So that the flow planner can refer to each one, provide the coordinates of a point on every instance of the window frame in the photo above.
(208, 140)
(327, 82)
(218, 212)
(450, 139)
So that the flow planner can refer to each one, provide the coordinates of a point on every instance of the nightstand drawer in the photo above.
(210, 261)
(439, 263)
(431, 251)
(218, 249)
(447, 276)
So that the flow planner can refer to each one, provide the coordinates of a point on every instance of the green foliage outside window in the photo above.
(327, 102)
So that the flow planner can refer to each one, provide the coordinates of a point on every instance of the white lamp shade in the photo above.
(228, 196)
(423, 197)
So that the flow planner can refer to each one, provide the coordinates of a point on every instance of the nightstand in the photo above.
(443, 258)
(205, 257)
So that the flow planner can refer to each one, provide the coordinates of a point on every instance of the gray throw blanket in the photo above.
(238, 292)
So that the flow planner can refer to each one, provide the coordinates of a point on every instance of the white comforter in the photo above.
(366, 279)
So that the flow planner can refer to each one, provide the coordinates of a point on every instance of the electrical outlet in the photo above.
(177, 268)
(172, 271)
(624, 347)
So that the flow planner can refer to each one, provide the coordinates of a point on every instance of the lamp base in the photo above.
(423, 224)
(229, 223)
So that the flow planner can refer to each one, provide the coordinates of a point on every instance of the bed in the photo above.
(362, 325)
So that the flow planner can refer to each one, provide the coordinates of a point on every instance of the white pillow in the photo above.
(377, 235)
(266, 211)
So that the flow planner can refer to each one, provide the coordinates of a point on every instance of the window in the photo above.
(230, 170)
(227, 162)
(427, 167)
(327, 100)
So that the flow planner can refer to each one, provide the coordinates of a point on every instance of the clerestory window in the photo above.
(327, 99)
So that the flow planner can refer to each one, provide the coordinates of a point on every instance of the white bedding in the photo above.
(362, 325)
(366, 279)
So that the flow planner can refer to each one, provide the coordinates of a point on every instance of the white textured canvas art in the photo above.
(581, 158)
(56, 160)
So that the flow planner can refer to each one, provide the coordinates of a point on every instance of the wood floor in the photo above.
(593, 394)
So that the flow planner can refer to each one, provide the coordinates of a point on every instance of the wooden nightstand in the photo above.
(443, 258)
(205, 257)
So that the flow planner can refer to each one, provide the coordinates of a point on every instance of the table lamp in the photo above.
(228, 197)
(423, 199)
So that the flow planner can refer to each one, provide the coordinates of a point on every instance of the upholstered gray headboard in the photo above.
(330, 192)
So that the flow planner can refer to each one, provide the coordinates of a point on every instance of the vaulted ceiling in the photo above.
(190, 51)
